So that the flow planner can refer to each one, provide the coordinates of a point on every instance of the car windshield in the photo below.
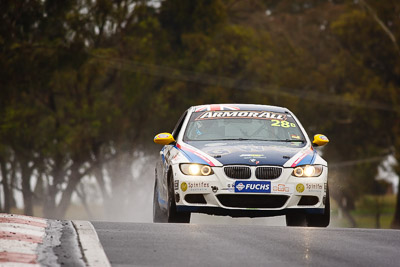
(243, 125)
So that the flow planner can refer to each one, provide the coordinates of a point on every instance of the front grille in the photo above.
(195, 199)
(308, 201)
(238, 172)
(268, 173)
(252, 201)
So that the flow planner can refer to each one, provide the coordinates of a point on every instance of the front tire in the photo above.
(296, 218)
(159, 216)
(321, 220)
(173, 215)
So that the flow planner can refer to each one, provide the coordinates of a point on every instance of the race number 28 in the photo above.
(284, 124)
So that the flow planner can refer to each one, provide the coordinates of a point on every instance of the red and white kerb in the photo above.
(19, 239)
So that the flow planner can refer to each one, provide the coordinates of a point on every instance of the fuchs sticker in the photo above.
(252, 187)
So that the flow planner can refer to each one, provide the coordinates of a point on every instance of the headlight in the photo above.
(195, 169)
(308, 171)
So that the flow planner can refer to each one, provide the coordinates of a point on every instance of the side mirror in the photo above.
(164, 139)
(320, 140)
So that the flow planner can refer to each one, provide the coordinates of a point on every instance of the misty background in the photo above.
(86, 85)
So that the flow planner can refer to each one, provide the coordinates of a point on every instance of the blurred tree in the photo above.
(380, 59)
(85, 83)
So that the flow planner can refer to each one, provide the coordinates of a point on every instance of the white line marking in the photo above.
(92, 249)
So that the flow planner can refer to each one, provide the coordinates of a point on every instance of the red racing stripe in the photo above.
(302, 157)
(196, 153)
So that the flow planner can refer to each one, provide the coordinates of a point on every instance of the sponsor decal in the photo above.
(293, 136)
(242, 114)
(252, 187)
(161, 136)
(300, 188)
(254, 161)
(176, 184)
(184, 186)
(229, 187)
(218, 151)
(310, 188)
(282, 188)
(195, 186)
(295, 143)
(251, 148)
(249, 156)
(314, 187)
(214, 189)
(215, 144)
(239, 186)
(323, 137)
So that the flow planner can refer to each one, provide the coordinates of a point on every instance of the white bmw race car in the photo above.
(242, 161)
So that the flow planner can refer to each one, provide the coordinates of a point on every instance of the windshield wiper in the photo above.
(243, 139)
(250, 139)
(289, 140)
(286, 140)
(236, 139)
(297, 140)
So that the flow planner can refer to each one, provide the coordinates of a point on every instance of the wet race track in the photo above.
(146, 244)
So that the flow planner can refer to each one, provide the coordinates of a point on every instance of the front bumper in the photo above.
(215, 194)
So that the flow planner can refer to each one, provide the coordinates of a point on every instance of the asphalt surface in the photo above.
(146, 244)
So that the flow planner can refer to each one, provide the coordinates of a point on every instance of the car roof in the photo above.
(233, 107)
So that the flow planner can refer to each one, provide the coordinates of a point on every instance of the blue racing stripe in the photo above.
(309, 159)
(191, 156)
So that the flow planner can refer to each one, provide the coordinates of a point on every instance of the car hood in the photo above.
(248, 152)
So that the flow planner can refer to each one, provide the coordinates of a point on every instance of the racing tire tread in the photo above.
(158, 215)
(297, 218)
(321, 220)
(173, 215)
